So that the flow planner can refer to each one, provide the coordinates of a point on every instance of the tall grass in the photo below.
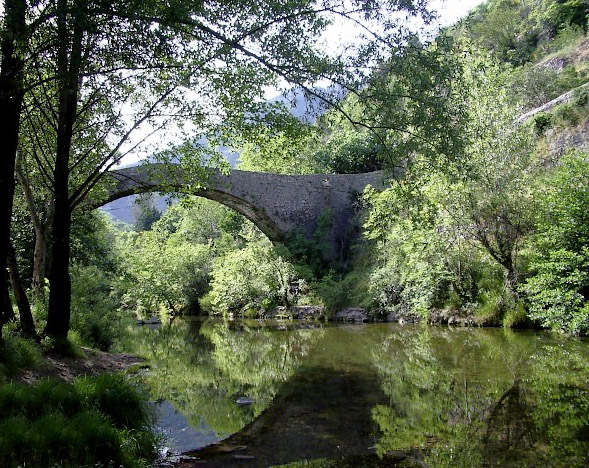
(17, 353)
(102, 420)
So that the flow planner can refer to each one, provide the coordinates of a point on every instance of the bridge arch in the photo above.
(277, 204)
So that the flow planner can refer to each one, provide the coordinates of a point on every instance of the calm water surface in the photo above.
(259, 394)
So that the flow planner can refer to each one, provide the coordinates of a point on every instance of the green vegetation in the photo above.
(468, 230)
(17, 353)
(462, 228)
(103, 419)
(472, 231)
(518, 33)
(558, 284)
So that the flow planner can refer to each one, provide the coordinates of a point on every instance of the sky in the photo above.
(449, 12)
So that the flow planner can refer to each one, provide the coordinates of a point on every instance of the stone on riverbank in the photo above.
(311, 312)
(351, 314)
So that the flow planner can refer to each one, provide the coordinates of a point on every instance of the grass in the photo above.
(565, 44)
(95, 421)
(17, 353)
(103, 420)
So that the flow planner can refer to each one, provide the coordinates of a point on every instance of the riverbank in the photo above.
(91, 362)
(451, 317)
(74, 411)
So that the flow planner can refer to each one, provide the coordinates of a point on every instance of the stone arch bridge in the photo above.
(279, 205)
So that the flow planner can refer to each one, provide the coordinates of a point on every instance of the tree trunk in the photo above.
(45, 267)
(512, 279)
(40, 262)
(7, 303)
(11, 98)
(42, 233)
(27, 324)
(58, 317)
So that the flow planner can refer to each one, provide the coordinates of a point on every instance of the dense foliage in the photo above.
(558, 285)
(518, 32)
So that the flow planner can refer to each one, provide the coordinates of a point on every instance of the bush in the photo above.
(332, 292)
(97, 420)
(95, 313)
(542, 122)
(558, 284)
(557, 291)
(253, 278)
(166, 272)
(17, 353)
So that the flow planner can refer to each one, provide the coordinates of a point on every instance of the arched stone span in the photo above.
(278, 204)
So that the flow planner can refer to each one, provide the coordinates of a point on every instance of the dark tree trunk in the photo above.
(11, 97)
(27, 324)
(58, 317)
(40, 261)
(6, 302)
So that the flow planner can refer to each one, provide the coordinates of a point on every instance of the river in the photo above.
(261, 394)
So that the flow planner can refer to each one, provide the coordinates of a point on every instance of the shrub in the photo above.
(254, 277)
(558, 284)
(542, 122)
(557, 290)
(101, 420)
(332, 292)
(95, 313)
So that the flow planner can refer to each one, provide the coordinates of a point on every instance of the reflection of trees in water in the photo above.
(509, 427)
(483, 398)
(258, 358)
(203, 368)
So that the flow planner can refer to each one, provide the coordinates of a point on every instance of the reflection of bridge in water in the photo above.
(303, 423)
(279, 205)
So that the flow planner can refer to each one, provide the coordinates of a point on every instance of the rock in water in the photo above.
(244, 400)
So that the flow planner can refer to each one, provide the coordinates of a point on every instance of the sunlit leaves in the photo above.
(559, 283)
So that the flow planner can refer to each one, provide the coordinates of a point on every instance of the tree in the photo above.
(145, 213)
(401, 109)
(13, 38)
(27, 324)
(487, 193)
(450, 236)
(40, 207)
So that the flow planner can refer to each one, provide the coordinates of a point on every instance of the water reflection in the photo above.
(483, 398)
(375, 395)
(204, 368)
